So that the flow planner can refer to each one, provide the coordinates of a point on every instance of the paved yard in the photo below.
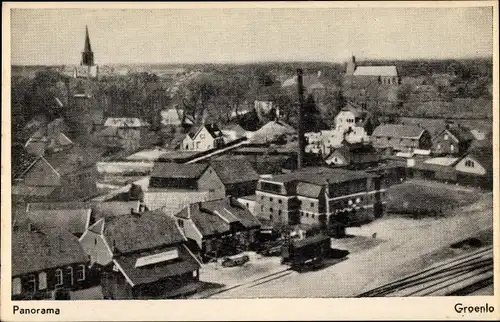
(218, 278)
(407, 245)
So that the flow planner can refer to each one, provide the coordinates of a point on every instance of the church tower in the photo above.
(87, 54)
(351, 66)
(87, 68)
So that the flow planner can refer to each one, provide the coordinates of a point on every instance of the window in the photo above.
(248, 206)
(180, 222)
(446, 137)
(42, 281)
(31, 283)
(261, 197)
(270, 217)
(307, 215)
(439, 146)
(59, 277)
(95, 241)
(452, 148)
(280, 201)
(270, 209)
(69, 274)
(261, 208)
(312, 216)
(271, 199)
(80, 273)
(469, 164)
(16, 286)
(279, 212)
(312, 204)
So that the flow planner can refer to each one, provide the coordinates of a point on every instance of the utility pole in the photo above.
(300, 159)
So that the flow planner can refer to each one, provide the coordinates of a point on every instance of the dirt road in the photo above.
(406, 243)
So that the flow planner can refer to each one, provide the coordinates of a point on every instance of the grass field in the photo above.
(421, 199)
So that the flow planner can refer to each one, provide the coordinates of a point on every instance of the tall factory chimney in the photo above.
(302, 142)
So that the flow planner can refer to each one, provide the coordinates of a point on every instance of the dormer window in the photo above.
(446, 137)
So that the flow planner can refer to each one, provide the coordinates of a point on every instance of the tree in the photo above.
(312, 116)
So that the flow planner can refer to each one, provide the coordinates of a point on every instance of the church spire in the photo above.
(87, 40)
(87, 54)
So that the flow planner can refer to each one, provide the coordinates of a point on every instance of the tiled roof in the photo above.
(376, 71)
(73, 220)
(73, 159)
(462, 134)
(185, 263)
(178, 170)
(320, 175)
(398, 131)
(48, 248)
(212, 128)
(134, 232)
(232, 210)
(234, 170)
(309, 190)
(484, 155)
(22, 189)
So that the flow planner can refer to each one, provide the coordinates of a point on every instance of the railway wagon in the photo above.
(306, 252)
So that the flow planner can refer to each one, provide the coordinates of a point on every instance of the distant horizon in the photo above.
(265, 62)
(55, 37)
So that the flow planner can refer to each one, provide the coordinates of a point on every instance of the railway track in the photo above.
(459, 276)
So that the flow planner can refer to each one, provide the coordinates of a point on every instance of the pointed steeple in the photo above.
(87, 54)
(87, 40)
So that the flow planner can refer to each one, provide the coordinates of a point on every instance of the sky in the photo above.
(233, 35)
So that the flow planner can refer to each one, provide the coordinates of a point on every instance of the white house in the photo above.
(203, 138)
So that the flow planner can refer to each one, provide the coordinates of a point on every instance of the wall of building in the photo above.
(470, 165)
(273, 207)
(210, 182)
(93, 244)
(44, 285)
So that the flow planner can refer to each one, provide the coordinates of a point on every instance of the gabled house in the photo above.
(46, 264)
(354, 156)
(202, 138)
(59, 176)
(454, 140)
(401, 137)
(142, 256)
(237, 175)
(219, 227)
(174, 185)
(476, 167)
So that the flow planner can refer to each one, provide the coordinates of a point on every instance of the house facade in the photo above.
(202, 138)
(476, 168)
(167, 176)
(138, 265)
(452, 141)
(47, 264)
(401, 137)
(323, 196)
